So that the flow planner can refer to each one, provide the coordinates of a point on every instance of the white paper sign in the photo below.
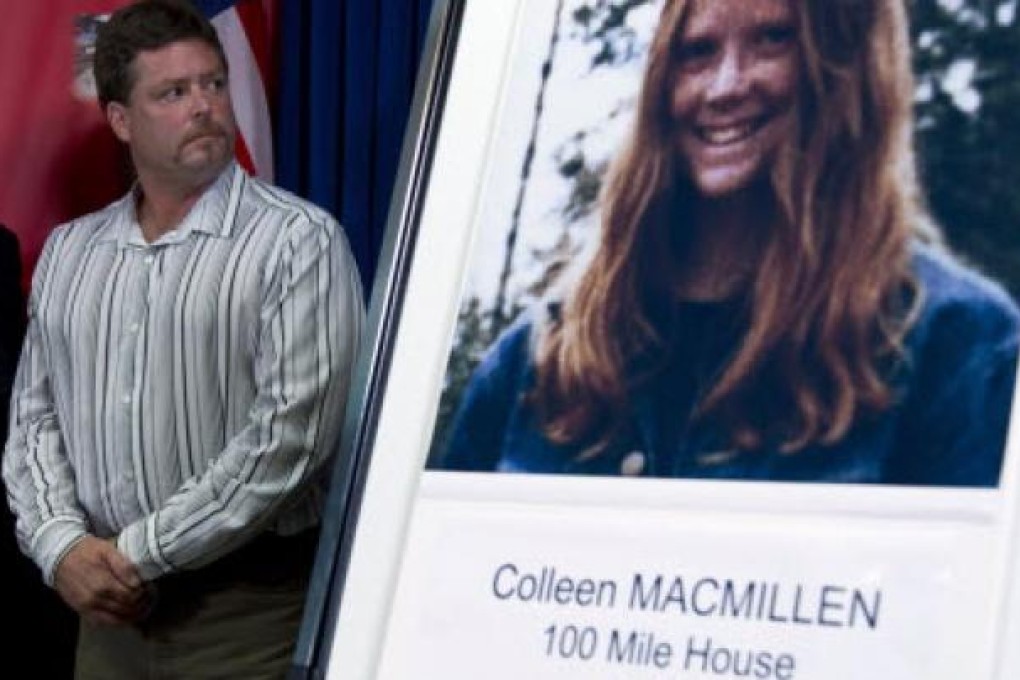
(513, 590)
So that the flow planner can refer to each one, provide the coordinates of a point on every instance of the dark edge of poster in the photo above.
(340, 517)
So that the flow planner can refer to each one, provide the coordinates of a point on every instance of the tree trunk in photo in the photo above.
(499, 315)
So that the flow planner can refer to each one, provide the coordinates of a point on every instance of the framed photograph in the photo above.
(692, 353)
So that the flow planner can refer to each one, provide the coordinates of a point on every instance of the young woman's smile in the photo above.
(736, 69)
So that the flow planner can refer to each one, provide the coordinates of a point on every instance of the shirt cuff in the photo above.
(135, 542)
(53, 540)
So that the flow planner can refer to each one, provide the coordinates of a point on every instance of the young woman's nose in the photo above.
(728, 78)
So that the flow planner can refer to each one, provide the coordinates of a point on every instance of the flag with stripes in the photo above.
(244, 29)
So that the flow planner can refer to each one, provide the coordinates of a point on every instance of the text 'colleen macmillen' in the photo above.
(797, 604)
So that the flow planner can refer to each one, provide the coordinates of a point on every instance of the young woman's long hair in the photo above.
(827, 305)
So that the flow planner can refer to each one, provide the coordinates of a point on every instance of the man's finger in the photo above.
(122, 568)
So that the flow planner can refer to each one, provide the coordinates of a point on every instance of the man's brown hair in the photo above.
(140, 27)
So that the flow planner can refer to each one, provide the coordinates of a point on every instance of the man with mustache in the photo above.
(183, 381)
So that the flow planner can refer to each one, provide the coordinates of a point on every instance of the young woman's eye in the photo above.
(218, 84)
(777, 38)
(692, 54)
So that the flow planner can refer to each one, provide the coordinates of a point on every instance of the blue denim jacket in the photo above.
(947, 426)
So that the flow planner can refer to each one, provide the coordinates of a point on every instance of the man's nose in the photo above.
(201, 103)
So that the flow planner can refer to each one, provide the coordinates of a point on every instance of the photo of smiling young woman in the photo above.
(769, 298)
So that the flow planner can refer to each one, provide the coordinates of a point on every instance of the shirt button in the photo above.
(126, 399)
(134, 327)
(633, 464)
(149, 259)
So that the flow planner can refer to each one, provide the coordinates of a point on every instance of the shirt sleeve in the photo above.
(308, 334)
(479, 427)
(40, 481)
(957, 419)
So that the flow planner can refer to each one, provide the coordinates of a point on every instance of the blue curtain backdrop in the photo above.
(347, 71)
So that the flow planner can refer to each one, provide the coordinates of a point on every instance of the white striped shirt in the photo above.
(183, 395)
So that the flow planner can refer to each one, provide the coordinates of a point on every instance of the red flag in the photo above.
(59, 157)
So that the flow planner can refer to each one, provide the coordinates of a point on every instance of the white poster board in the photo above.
(469, 574)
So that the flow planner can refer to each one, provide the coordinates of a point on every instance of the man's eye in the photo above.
(172, 93)
(214, 83)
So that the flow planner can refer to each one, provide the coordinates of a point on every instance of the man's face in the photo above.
(736, 70)
(178, 122)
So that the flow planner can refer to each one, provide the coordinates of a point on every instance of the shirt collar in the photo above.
(214, 213)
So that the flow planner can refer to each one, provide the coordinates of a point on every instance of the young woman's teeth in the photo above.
(726, 135)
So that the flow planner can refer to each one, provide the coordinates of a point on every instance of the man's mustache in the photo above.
(206, 130)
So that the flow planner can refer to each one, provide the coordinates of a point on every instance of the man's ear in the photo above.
(116, 115)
